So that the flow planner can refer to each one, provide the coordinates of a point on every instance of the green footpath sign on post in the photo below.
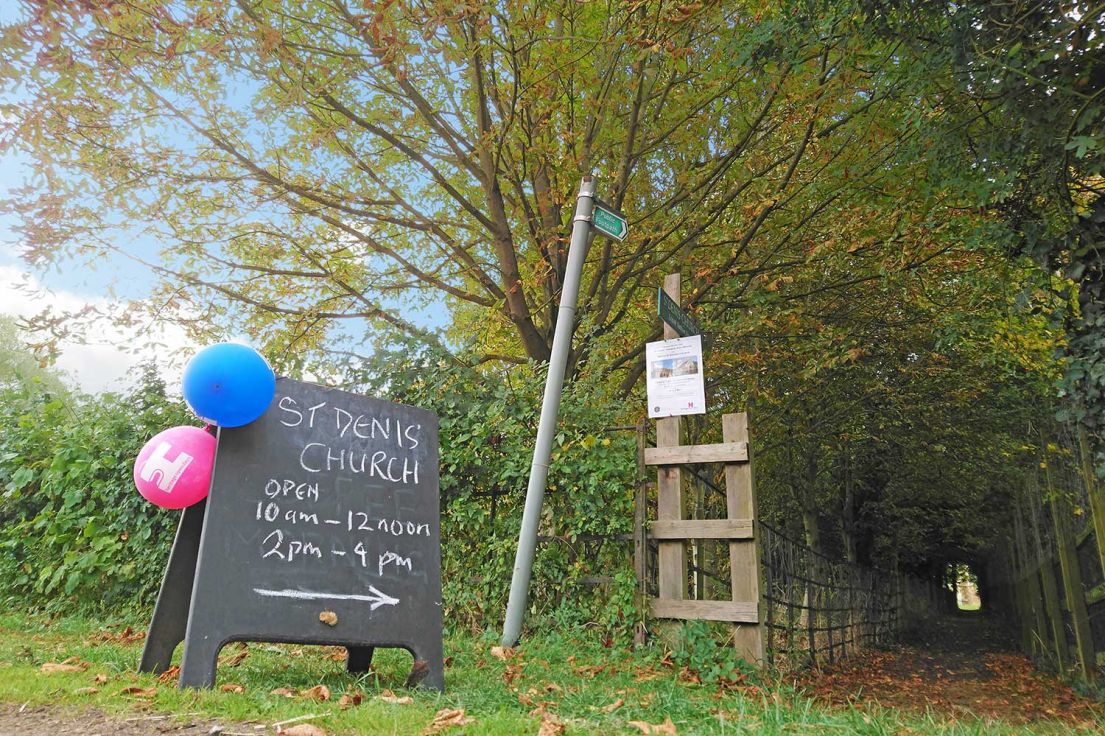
(609, 222)
(679, 320)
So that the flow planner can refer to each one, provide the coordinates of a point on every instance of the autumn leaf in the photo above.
(283, 692)
(447, 718)
(318, 692)
(50, 668)
(170, 675)
(503, 653)
(126, 636)
(550, 726)
(389, 697)
(235, 659)
(613, 706)
(350, 699)
(329, 618)
(667, 727)
(231, 687)
(139, 692)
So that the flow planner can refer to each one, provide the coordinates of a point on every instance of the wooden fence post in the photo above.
(672, 563)
(1096, 494)
(640, 517)
(744, 554)
(1072, 586)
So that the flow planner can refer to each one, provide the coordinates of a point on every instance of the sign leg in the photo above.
(428, 670)
(358, 659)
(201, 657)
(170, 613)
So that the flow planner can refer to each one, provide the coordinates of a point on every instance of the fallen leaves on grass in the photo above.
(504, 653)
(318, 692)
(389, 697)
(667, 727)
(613, 706)
(139, 692)
(170, 675)
(350, 699)
(951, 677)
(284, 692)
(232, 687)
(51, 668)
(448, 718)
(587, 671)
(512, 673)
(550, 726)
(126, 636)
(235, 659)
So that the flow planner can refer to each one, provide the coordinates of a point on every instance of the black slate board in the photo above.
(327, 503)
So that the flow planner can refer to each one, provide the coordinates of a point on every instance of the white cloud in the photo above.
(106, 358)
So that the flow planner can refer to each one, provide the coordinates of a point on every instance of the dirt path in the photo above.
(960, 667)
(58, 721)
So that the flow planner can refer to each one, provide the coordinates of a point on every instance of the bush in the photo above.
(488, 427)
(75, 533)
(73, 530)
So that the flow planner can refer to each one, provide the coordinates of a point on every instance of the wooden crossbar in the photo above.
(746, 613)
(723, 452)
(701, 529)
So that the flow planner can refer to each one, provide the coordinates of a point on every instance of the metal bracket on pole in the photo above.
(550, 407)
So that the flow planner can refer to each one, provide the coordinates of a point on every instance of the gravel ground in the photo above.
(58, 721)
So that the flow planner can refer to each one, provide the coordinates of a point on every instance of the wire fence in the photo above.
(817, 610)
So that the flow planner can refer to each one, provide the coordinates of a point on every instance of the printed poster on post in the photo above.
(674, 379)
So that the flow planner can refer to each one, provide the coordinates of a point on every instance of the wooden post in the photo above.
(744, 554)
(1034, 629)
(672, 564)
(1096, 494)
(640, 517)
(1072, 586)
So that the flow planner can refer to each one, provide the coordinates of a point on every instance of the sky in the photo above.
(107, 356)
(106, 359)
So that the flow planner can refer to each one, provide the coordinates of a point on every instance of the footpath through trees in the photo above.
(957, 667)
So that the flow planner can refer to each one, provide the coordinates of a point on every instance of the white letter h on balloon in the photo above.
(168, 470)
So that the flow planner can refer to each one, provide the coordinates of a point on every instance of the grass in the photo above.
(570, 674)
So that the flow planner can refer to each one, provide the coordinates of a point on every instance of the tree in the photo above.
(308, 166)
(1019, 86)
(21, 373)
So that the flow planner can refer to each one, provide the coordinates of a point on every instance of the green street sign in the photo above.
(609, 222)
(679, 320)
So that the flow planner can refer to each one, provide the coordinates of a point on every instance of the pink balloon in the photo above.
(173, 470)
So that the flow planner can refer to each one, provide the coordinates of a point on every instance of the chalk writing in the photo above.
(287, 487)
(391, 558)
(276, 547)
(375, 596)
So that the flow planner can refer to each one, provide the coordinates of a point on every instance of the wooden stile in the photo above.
(671, 531)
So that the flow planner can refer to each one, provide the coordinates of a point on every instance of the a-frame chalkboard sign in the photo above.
(322, 527)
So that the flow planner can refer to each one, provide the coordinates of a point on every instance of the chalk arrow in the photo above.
(382, 599)
(375, 600)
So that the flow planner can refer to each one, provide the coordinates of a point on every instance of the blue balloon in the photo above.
(228, 384)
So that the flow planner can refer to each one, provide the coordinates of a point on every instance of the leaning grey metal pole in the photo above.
(550, 407)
